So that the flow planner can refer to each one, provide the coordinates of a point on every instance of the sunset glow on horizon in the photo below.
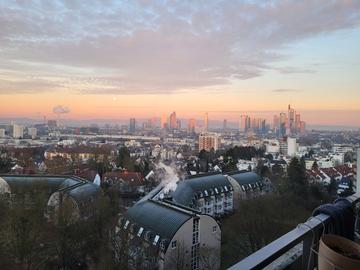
(134, 59)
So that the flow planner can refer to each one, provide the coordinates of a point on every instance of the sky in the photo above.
(120, 59)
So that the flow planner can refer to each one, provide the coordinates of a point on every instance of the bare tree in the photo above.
(178, 256)
(209, 258)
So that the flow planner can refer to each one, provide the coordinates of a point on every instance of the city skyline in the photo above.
(233, 119)
(198, 58)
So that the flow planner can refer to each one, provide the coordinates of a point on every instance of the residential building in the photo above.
(210, 194)
(52, 124)
(18, 131)
(129, 185)
(2, 133)
(291, 146)
(273, 147)
(246, 185)
(342, 148)
(82, 153)
(283, 146)
(208, 141)
(32, 132)
(217, 194)
(76, 193)
(163, 235)
(324, 175)
(246, 165)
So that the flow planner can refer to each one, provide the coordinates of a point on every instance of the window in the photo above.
(214, 229)
(195, 257)
(195, 236)
(162, 245)
(173, 244)
(196, 225)
(156, 240)
(140, 231)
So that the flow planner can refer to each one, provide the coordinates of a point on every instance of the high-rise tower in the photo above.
(206, 122)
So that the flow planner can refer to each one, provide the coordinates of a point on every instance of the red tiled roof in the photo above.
(87, 174)
(344, 170)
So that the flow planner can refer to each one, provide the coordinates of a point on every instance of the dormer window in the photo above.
(140, 231)
(156, 240)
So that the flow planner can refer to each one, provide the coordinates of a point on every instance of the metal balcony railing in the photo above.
(294, 250)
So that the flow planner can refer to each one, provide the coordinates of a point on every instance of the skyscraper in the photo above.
(291, 119)
(153, 122)
(132, 126)
(297, 123)
(173, 123)
(225, 124)
(163, 122)
(206, 122)
(276, 123)
(262, 126)
(282, 130)
(178, 124)
(191, 125)
(244, 123)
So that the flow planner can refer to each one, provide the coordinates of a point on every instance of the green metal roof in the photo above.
(159, 218)
(246, 178)
(26, 183)
(77, 188)
(187, 190)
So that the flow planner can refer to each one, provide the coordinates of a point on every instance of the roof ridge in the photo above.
(173, 207)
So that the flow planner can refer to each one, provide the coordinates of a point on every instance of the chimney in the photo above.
(358, 170)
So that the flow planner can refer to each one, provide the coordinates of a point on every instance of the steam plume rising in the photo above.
(170, 177)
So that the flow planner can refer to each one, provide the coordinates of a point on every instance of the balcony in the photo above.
(297, 250)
